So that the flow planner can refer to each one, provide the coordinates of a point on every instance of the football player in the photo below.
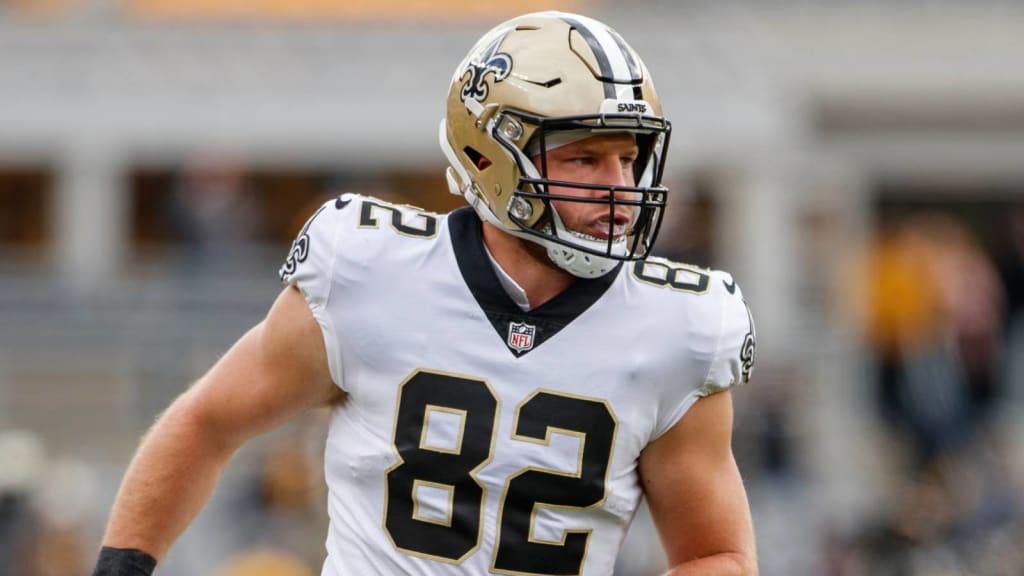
(506, 380)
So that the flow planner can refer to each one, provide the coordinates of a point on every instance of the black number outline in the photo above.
(471, 474)
(367, 219)
(517, 551)
(525, 553)
(671, 278)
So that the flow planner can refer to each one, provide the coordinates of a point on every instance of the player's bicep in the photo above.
(275, 371)
(693, 487)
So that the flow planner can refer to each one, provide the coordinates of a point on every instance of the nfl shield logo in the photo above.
(520, 336)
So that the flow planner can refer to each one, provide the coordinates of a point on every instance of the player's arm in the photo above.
(275, 371)
(696, 495)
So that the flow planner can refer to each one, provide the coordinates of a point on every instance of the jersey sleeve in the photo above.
(733, 359)
(723, 353)
(309, 266)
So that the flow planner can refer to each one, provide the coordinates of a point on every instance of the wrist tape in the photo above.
(124, 562)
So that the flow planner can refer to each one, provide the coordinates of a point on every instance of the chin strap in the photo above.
(576, 262)
(579, 264)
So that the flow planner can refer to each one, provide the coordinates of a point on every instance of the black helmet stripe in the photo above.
(614, 59)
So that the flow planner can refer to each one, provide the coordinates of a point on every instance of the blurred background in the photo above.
(858, 166)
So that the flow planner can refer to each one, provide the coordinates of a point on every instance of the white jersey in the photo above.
(478, 438)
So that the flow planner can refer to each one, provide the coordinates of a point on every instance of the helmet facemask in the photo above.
(532, 205)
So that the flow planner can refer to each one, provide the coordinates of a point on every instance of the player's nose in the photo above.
(616, 173)
(610, 172)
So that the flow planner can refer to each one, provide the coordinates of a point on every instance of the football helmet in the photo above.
(536, 82)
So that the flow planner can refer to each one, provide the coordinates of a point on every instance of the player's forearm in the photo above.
(725, 564)
(167, 483)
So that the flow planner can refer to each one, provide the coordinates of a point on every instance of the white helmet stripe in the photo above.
(634, 67)
(635, 72)
(616, 63)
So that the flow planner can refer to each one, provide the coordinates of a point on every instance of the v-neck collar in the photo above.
(521, 330)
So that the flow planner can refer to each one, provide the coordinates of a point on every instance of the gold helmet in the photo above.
(529, 85)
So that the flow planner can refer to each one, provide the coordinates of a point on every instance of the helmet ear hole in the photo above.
(479, 160)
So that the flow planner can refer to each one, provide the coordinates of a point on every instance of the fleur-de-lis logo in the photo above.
(747, 357)
(489, 61)
(296, 255)
(299, 251)
(747, 352)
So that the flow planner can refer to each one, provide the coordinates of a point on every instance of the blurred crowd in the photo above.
(944, 328)
(52, 509)
(47, 506)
